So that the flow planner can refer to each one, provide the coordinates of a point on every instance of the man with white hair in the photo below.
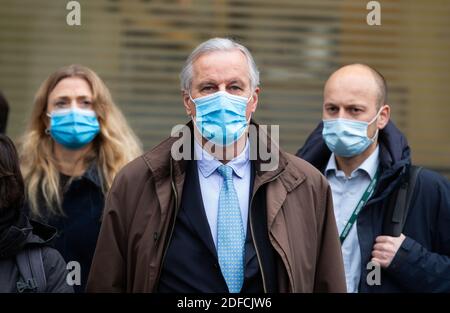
(218, 219)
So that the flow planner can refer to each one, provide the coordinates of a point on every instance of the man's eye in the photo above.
(235, 88)
(332, 110)
(207, 88)
(356, 110)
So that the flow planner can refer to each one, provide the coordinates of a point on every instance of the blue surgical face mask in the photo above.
(347, 138)
(220, 117)
(73, 128)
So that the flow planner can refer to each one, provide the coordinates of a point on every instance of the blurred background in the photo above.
(138, 48)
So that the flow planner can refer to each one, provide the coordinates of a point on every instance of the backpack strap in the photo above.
(32, 274)
(399, 203)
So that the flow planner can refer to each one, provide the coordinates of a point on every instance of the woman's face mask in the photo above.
(220, 117)
(73, 128)
(347, 138)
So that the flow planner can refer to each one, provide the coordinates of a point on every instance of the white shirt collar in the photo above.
(208, 163)
(369, 166)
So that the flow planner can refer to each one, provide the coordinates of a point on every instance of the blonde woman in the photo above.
(76, 141)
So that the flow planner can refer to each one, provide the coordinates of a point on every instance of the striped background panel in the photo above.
(138, 48)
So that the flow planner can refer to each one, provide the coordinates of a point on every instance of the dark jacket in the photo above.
(193, 240)
(142, 206)
(4, 110)
(78, 229)
(23, 235)
(422, 264)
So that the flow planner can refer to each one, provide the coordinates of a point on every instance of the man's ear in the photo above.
(188, 105)
(253, 104)
(385, 115)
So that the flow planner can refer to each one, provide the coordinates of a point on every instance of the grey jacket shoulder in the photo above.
(55, 271)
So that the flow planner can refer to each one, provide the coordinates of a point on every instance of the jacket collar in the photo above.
(25, 232)
(158, 159)
(369, 167)
(208, 164)
(91, 174)
(163, 166)
(394, 157)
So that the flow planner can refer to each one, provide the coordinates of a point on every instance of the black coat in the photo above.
(78, 229)
(422, 264)
(22, 235)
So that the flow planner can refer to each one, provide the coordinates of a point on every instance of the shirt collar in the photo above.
(369, 166)
(208, 163)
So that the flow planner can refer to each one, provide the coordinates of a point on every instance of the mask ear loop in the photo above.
(47, 130)
(192, 117)
(249, 118)
(374, 136)
(376, 116)
(373, 120)
(251, 113)
(190, 97)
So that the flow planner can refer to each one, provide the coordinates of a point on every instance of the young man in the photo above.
(366, 159)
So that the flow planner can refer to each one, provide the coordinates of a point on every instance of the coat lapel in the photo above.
(195, 210)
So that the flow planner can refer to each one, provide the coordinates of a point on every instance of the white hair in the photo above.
(213, 45)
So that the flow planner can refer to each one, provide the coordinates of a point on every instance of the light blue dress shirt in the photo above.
(347, 191)
(211, 183)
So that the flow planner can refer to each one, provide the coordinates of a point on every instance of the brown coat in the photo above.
(139, 214)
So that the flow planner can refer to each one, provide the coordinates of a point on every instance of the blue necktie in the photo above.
(230, 233)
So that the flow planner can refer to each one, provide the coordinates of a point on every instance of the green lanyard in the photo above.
(365, 197)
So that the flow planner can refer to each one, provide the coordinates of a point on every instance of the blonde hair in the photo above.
(114, 146)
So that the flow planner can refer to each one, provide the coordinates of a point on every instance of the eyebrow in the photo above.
(354, 105)
(67, 98)
(207, 82)
(346, 106)
(213, 82)
(84, 97)
(234, 81)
